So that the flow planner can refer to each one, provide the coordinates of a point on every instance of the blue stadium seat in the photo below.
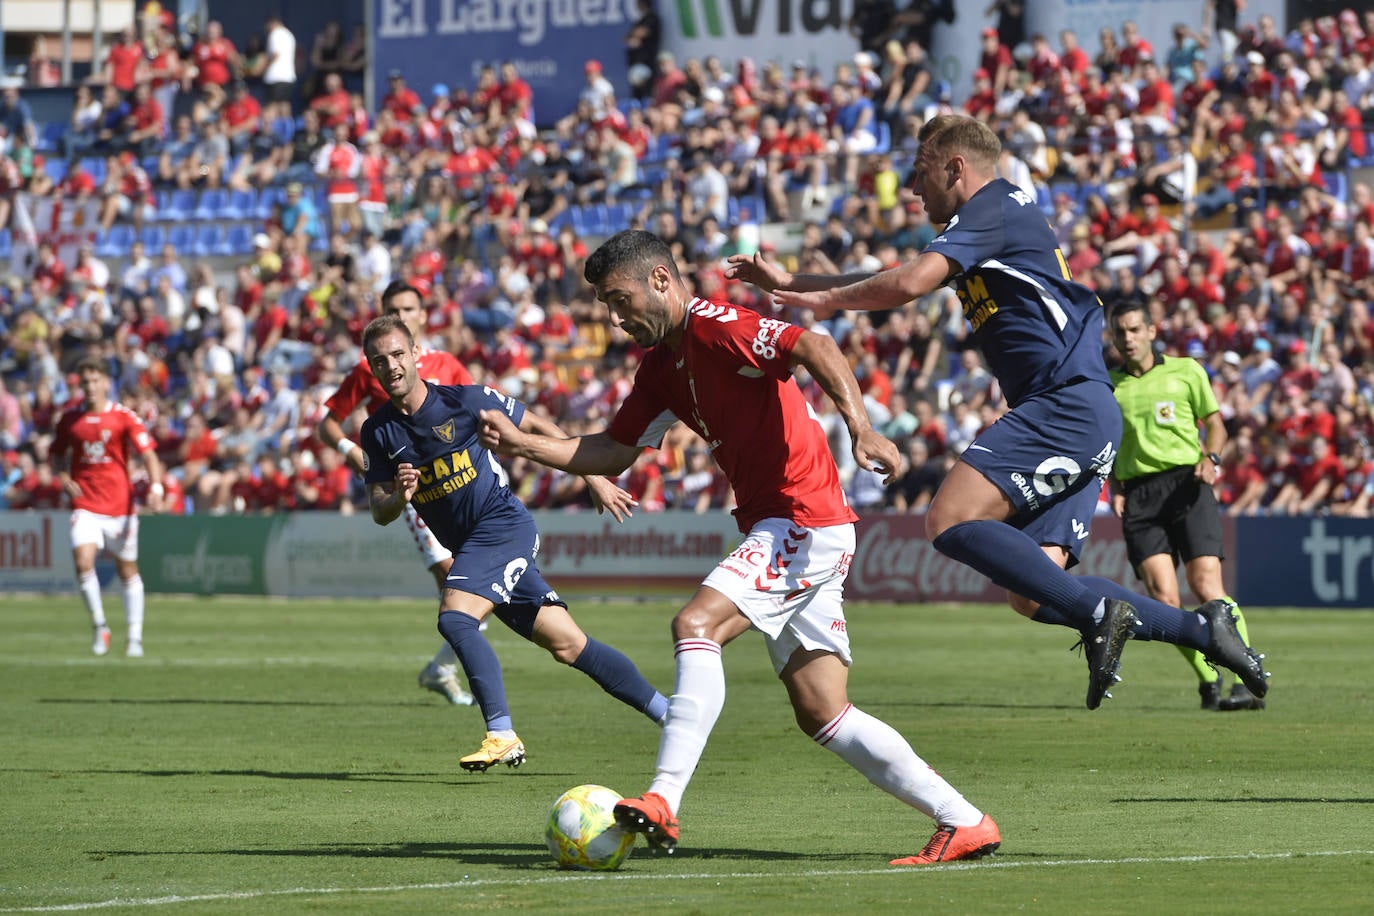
(182, 237)
(1044, 199)
(731, 212)
(238, 240)
(564, 218)
(269, 197)
(50, 137)
(1336, 184)
(56, 168)
(884, 132)
(115, 243)
(6, 243)
(95, 167)
(212, 204)
(283, 130)
(209, 237)
(241, 205)
(179, 206)
(153, 238)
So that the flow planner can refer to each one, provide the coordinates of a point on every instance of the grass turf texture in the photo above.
(274, 756)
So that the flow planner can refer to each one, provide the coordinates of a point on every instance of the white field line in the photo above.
(631, 876)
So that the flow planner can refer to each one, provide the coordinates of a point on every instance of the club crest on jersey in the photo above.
(1165, 413)
(444, 431)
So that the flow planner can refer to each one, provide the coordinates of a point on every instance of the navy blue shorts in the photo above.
(497, 563)
(1050, 455)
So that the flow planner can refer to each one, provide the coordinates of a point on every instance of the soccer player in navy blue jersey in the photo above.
(1018, 504)
(422, 449)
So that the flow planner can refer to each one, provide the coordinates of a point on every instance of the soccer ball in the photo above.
(581, 831)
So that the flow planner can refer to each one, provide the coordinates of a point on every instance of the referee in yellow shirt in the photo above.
(1162, 483)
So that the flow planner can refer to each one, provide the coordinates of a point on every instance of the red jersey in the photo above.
(360, 387)
(123, 62)
(98, 443)
(731, 382)
(212, 60)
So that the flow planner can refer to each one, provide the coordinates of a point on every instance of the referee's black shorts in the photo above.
(1171, 512)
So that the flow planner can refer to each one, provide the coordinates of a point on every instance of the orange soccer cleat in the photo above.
(953, 843)
(650, 815)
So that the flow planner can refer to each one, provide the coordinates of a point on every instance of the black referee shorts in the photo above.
(1171, 512)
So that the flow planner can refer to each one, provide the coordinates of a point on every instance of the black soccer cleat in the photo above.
(1210, 692)
(1102, 645)
(1226, 648)
(1240, 698)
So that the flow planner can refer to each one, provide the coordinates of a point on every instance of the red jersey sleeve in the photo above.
(352, 392)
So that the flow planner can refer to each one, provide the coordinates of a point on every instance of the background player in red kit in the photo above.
(361, 391)
(91, 454)
(727, 373)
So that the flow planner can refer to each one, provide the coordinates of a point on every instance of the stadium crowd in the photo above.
(1220, 191)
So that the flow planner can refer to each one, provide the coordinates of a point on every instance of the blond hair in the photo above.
(959, 135)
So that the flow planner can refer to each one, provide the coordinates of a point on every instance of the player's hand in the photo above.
(607, 497)
(877, 453)
(818, 302)
(407, 481)
(498, 434)
(1119, 504)
(73, 489)
(754, 269)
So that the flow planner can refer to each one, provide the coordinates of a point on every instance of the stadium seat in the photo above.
(95, 167)
(153, 238)
(182, 237)
(1336, 185)
(50, 137)
(268, 198)
(56, 168)
(241, 205)
(180, 205)
(115, 243)
(283, 130)
(209, 238)
(238, 240)
(884, 132)
(6, 243)
(211, 205)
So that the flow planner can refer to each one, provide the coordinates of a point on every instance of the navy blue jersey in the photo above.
(1036, 327)
(462, 485)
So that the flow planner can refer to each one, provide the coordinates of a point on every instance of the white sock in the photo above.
(878, 751)
(90, 594)
(446, 658)
(133, 607)
(698, 696)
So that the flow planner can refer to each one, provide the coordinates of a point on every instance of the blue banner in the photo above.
(1305, 562)
(549, 41)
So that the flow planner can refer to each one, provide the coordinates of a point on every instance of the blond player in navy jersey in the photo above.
(1017, 505)
(726, 372)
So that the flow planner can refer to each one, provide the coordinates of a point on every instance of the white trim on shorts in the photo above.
(116, 534)
(789, 581)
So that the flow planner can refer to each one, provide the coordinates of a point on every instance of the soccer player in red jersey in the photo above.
(361, 391)
(727, 373)
(91, 457)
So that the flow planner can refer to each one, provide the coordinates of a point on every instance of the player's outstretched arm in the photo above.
(331, 433)
(821, 357)
(888, 289)
(759, 271)
(388, 498)
(594, 454)
(606, 496)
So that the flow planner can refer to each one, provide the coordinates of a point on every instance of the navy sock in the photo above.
(619, 677)
(480, 664)
(1047, 614)
(1158, 620)
(1011, 558)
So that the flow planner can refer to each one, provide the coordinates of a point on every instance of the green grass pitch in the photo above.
(278, 757)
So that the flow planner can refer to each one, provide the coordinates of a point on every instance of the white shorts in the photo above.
(425, 541)
(116, 533)
(789, 581)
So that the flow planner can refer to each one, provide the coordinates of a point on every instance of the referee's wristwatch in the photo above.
(1215, 458)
